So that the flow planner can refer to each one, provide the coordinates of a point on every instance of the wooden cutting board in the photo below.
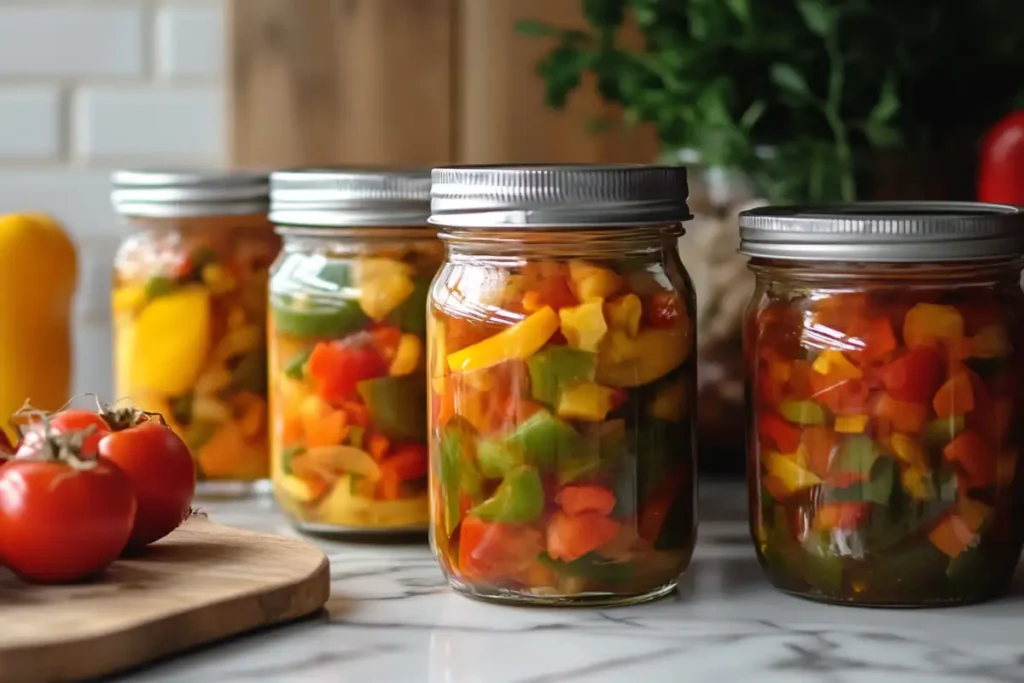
(202, 583)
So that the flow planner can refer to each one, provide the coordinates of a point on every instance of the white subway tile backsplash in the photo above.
(91, 39)
(90, 85)
(30, 123)
(171, 124)
(190, 41)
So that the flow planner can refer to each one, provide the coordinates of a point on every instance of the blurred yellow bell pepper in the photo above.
(625, 361)
(38, 275)
(583, 326)
(167, 342)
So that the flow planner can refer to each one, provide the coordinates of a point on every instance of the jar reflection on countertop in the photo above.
(562, 384)
(189, 316)
(885, 348)
(347, 324)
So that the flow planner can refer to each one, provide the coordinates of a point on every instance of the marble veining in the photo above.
(391, 617)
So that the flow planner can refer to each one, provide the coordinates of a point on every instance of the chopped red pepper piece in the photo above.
(337, 366)
(663, 310)
(497, 551)
(570, 537)
(577, 499)
(819, 444)
(783, 433)
(914, 376)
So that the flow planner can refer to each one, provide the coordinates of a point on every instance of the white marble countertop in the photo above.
(391, 617)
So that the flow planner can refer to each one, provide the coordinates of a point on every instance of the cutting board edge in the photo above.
(301, 597)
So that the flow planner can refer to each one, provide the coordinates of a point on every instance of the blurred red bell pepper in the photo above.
(1001, 171)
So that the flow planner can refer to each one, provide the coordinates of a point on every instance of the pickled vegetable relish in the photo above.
(348, 385)
(189, 304)
(885, 404)
(561, 416)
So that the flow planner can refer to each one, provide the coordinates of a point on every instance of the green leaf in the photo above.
(753, 114)
(604, 14)
(788, 78)
(888, 104)
(535, 29)
(818, 16)
(740, 8)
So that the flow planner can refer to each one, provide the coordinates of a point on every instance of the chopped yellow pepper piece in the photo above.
(218, 278)
(593, 282)
(790, 474)
(669, 403)
(585, 401)
(407, 356)
(299, 489)
(383, 285)
(520, 341)
(437, 335)
(624, 313)
(991, 342)
(851, 424)
(929, 324)
(129, 298)
(170, 341)
(631, 362)
(908, 450)
(917, 482)
(584, 326)
(831, 361)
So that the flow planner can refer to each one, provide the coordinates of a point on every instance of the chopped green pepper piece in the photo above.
(295, 368)
(553, 367)
(250, 374)
(198, 433)
(882, 482)
(181, 408)
(320, 320)
(356, 435)
(286, 457)
(519, 499)
(592, 567)
(454, 437)
(938, 433)
(395, 405)
(599, 451)
(856, 455)
(803, 412)
(812, 559)
(495, 459)
(160, 285)
(411, 314)
(544, 440)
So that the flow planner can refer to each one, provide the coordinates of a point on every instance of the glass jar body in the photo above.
(562, 387)
(884, 405)
(347, 377)
(189, 304)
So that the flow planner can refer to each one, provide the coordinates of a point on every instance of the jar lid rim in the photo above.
(884, 231)
(189, 192)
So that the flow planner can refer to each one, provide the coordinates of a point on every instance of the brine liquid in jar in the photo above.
(348, 351)
(189, 313)
(562, 384)
(885, 347)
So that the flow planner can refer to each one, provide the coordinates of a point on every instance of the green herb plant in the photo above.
(796, 93)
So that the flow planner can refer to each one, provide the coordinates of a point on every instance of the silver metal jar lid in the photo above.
(894, 232)
(350, 197)
(558, 196)
(174, 193)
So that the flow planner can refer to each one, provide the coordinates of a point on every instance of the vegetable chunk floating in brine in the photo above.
(561, 384)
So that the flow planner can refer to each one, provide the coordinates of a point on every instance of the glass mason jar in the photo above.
(347, 350)
(562, 384)
(189, 313)
(885, 351)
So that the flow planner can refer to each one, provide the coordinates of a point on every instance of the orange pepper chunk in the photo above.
(975, 456)
(819, 444)
(955, 397)
(570, 537)
(844, 516)
(904, 417)
(378, 446)
(577, 499)
(496, 551)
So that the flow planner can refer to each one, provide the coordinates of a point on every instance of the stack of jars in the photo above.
(504, 356)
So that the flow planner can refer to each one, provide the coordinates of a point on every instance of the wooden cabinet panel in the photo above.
(405, 82)
(341, 81)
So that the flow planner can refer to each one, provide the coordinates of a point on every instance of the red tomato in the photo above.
(68, 420)
(62, 523)
(162, 474)
(1001, 171)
